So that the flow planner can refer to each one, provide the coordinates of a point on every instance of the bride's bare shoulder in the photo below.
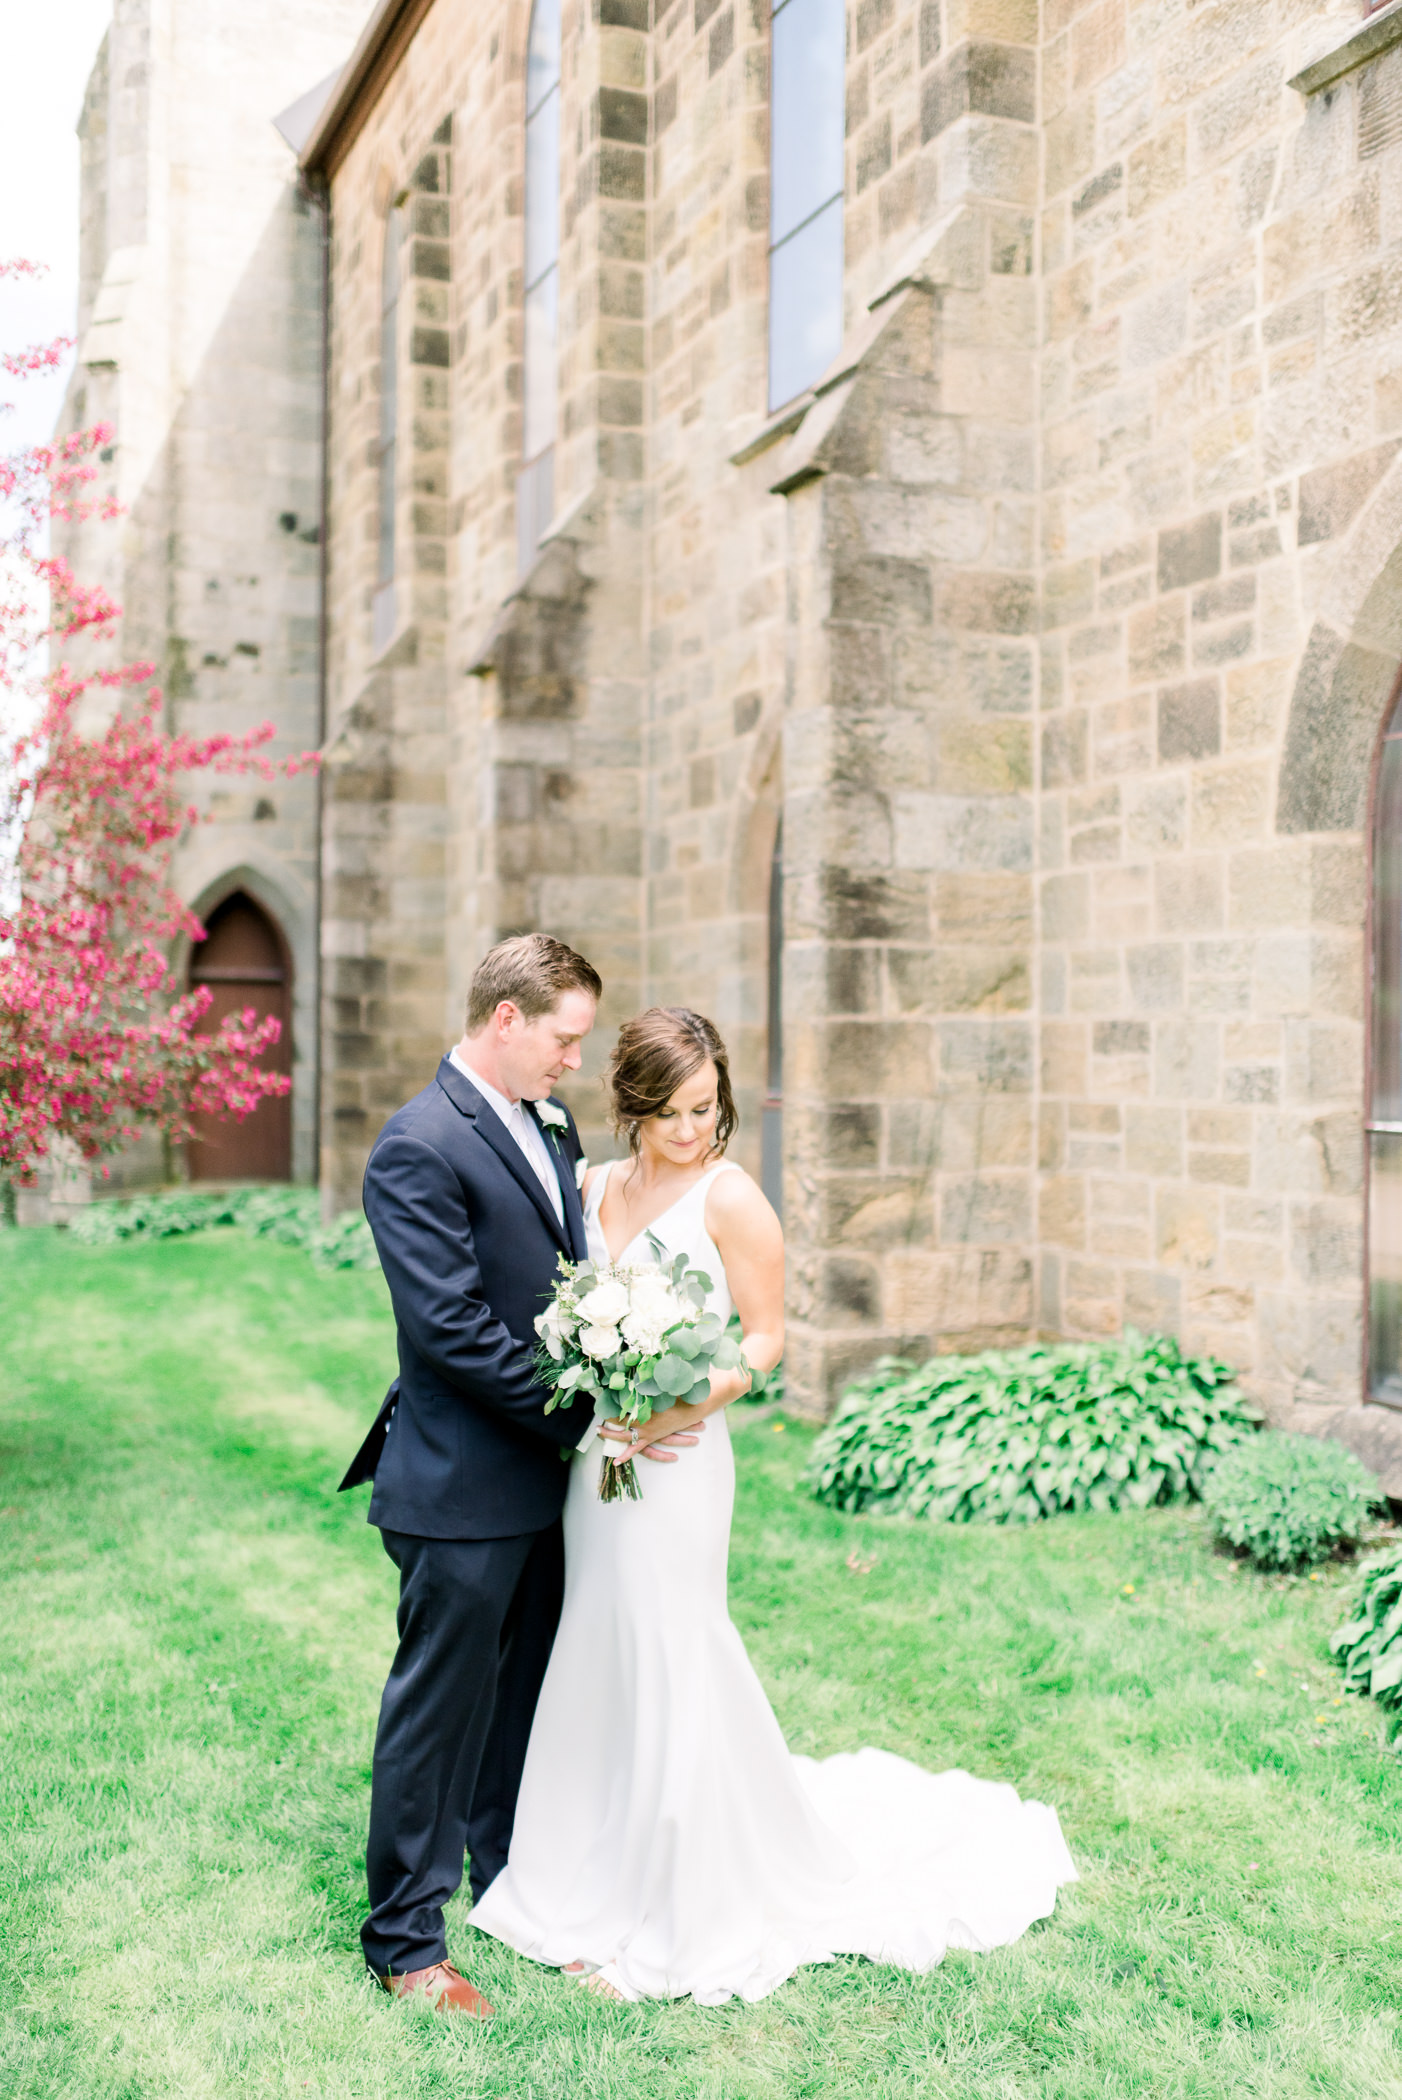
(735, 1200)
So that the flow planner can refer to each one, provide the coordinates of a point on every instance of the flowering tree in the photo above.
(95, 1040)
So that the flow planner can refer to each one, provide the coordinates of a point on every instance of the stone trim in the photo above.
(1365, 42)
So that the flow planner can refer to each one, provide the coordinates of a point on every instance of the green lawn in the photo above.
(195, 1630)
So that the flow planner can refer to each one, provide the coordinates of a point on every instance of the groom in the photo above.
(471, 1195)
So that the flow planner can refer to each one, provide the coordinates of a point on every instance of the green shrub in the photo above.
(279, 1212)
(1288, 1500)
(1369, 1643)
(1018, 1434)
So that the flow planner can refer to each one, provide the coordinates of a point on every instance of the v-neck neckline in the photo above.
(652, 1223)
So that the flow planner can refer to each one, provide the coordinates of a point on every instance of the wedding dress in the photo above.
(664, 1833)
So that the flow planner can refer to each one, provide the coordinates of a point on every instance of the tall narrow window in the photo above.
(535, 487)
(382, 617)
(771, 1129)
(807, 65)
(1385, 1106)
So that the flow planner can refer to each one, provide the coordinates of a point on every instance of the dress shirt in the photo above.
(530, 1137)
(524, 1129)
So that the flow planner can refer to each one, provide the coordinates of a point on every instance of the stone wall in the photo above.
(1217, 408)
(1057, 624)
(200, 343)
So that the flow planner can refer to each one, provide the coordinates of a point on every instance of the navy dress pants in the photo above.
(476, 1621)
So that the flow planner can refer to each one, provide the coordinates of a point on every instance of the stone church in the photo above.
(883, 522)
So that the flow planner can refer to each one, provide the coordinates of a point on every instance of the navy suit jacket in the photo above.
(468, 1240)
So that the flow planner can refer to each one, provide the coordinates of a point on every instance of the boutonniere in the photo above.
(554, 1119)
(581, 1168)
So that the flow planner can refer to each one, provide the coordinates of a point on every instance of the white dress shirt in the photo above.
(524, 1129)
(530, 1137)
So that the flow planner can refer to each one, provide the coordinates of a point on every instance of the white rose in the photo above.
(605, 1305)
(598, 1341)
(642, 1331)
(651, 1296)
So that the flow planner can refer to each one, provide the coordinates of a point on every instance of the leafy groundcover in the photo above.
(1018, 1434)
(292, 1216)
(1369, 1643)
(1288, 1500)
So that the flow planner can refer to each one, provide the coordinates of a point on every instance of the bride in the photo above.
(666, 1841)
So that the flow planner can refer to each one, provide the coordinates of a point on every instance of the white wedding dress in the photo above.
(664, 1834)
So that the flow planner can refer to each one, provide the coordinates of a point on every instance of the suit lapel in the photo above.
(488, 1125)
(569, 1191)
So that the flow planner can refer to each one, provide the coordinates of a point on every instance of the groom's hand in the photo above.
(663, 1447)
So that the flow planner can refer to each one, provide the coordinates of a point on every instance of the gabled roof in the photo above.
(383, 42)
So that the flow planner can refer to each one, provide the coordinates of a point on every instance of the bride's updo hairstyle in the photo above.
(657, 1052)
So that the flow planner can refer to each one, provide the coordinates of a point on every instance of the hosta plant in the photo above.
(1017, 1434)
(1288, 1500)
(1369, 1643)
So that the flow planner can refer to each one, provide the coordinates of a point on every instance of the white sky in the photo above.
(49, 47)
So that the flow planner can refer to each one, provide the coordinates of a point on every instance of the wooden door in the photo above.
(244, 963)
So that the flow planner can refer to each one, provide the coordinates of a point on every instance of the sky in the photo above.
(49, 47)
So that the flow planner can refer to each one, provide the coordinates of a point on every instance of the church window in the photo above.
(386, 449)
(1385, 1078)
(535, 488)
(807, 64)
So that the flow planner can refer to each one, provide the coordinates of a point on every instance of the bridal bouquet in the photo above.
(637, 1339)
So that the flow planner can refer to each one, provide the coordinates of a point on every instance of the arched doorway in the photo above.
(244, 962)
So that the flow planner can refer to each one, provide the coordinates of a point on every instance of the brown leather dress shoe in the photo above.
(445, 1989)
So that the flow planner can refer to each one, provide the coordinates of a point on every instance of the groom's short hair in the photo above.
(531, 970)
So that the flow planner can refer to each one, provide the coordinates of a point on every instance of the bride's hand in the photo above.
(662, 1437)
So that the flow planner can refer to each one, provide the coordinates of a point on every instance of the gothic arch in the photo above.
(291, 907)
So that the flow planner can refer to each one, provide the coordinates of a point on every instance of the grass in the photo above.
(195, 1630)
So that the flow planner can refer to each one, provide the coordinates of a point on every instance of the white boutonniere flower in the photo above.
(554, 1119)
(581, 1168)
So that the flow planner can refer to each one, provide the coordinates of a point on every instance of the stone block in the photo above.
(1154, 971)
(996, 907)
(960, 980)
(1189, 554)
(883, 593)
(1338, 699)
(1302, 1154)
(1158, 168)
(985, 758)
(1063, 1057)
(996, 80)
(862, 1060)
(1189, 894)
(1187, 1228)
(985, 1208)
(1326, 1243)
(1270, 886)
(1157, 641)
(1189, 721)
(1152, 1301)
(1231, 803)
(1064, 750)
(983, 1056)
(1156, 815)
(1061, 1210)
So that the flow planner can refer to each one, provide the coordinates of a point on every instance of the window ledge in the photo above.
(778, 426)
(1361, 44)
